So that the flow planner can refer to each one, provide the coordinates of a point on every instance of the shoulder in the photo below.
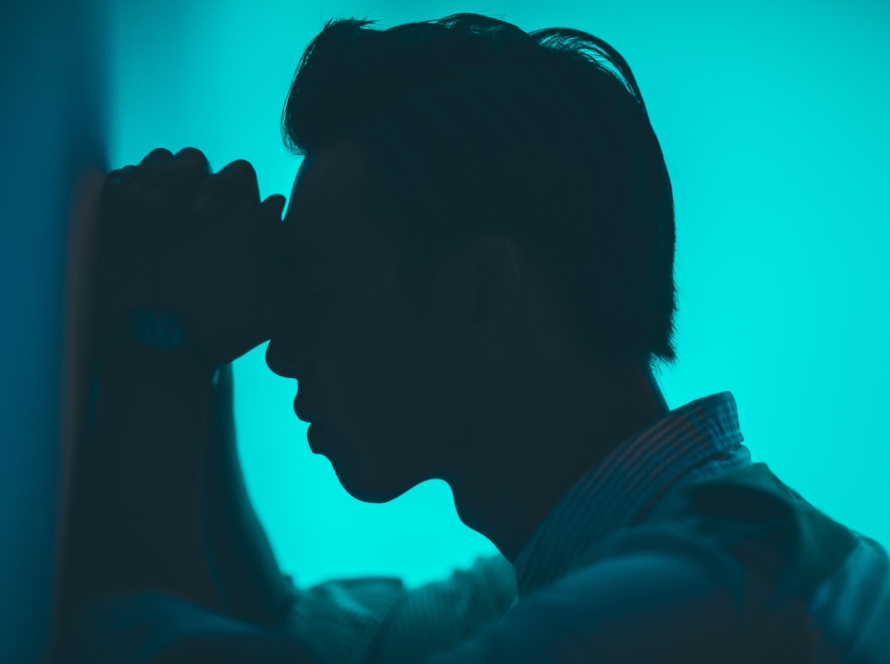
(657, 596)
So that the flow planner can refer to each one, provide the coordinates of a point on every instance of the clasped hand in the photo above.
(201, 245)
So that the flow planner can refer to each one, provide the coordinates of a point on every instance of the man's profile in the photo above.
(472, 282)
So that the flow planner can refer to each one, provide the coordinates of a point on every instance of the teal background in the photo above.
(773, 120)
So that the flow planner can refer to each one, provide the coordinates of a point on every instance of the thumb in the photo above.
(276, 203)
(270, 236)
(269, 225)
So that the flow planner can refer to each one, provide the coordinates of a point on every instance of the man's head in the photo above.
(479, 210)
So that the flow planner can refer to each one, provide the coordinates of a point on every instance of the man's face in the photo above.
(370, 379)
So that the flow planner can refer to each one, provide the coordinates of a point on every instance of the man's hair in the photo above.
(473, 125)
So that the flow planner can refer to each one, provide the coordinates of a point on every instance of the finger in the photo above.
(236, 180)
(187, 159)
(176, 180)
(131, 198)
(115, 183)
(270, 237)
(269, 225)
(152, 162)
(189, 165)
(119, 176)
(134, 188)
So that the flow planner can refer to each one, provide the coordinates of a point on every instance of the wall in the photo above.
(53, 103)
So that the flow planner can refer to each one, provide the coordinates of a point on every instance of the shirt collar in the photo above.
(622, 488)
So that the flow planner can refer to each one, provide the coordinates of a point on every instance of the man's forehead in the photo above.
(327, 197)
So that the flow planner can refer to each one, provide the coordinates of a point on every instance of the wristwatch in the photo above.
(163, 337)
(157, 329)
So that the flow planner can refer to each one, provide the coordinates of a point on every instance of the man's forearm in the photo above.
(251, 582)
(138, 517)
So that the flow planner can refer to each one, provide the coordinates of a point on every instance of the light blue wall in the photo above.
(772, 117)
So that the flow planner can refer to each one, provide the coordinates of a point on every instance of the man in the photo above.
(472, 282)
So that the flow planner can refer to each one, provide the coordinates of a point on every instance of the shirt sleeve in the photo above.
(380, 621)
(661, 600)
(344, 621)
(439, 616)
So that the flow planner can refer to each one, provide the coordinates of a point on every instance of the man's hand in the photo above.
(202, 246)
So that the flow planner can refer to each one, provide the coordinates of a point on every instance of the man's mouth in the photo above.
(315, 436)
(302, 414)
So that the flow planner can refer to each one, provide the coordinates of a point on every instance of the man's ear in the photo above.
(498, 271)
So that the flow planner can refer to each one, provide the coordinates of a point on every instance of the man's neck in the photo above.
(507, 489)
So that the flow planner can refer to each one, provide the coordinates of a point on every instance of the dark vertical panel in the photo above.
(52, 96)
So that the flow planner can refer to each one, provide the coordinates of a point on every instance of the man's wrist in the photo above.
(159, 337)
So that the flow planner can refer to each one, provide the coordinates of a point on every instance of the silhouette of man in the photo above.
(472, 283)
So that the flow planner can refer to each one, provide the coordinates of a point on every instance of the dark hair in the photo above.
(474, 125)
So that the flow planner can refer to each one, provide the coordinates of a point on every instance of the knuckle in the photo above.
(157, 156)
(236, 179)
(151, 165)
(114, 179)
(185, 169)
(192, 158)
(119, 175)
(240, 169)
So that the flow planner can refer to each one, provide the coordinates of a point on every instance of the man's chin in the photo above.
(364, 488)
(368, 483)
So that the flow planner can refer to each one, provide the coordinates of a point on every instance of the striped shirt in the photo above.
(659, 590)
(698, 440)
(557, 602)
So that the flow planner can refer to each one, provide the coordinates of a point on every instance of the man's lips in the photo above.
(302, 413)
(314, 436)
(314, 433)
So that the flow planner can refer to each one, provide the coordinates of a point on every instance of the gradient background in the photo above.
(773, 120)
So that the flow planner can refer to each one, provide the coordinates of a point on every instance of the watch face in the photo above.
(158, 329)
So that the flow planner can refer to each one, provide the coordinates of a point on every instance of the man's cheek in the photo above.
(347, 383)
(371, 384)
